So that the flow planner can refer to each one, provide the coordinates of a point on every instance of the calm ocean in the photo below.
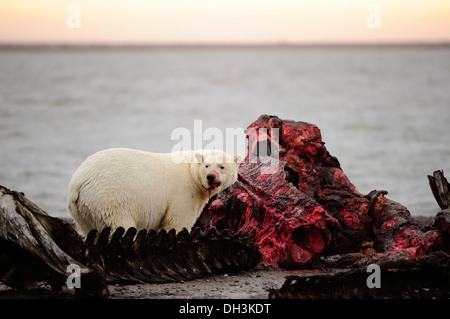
(384, 112)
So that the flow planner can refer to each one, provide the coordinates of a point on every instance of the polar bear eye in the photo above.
(206, 165)
(222, 167)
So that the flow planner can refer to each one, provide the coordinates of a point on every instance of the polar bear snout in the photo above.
(211, 176)
(213, 179)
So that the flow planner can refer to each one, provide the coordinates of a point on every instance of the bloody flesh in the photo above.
(301, 206)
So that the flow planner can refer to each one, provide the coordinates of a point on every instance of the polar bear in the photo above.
(133, 188)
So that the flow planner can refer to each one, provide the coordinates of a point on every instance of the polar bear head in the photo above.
(215, 170)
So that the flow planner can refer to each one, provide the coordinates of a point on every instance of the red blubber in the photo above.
(307, 207)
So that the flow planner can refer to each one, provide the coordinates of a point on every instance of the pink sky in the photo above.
(224, 21)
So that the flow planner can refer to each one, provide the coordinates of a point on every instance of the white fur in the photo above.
(132, 188)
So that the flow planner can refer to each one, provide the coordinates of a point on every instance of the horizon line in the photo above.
(106, 45)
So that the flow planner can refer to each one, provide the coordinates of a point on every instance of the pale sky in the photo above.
(224, 21)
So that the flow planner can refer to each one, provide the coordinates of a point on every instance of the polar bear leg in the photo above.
(182, 213)
(90, 215)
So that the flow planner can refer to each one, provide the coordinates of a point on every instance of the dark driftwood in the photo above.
(426, 277)
(36, 247)
(440, 188)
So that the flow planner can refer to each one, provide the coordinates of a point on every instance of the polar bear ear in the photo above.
(237, 159)
(198, 157)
